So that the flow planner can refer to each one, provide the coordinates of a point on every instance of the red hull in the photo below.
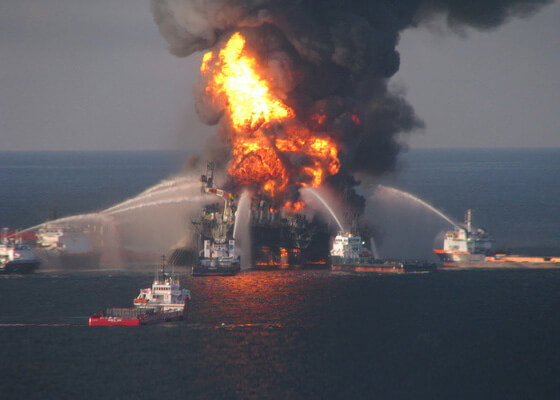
(111, 321)
(145, 319)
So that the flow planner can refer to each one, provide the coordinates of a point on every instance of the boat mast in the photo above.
(468, 220)
(158, 268)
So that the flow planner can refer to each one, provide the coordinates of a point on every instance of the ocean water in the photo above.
(292, 334)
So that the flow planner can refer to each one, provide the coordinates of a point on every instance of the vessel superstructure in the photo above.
(348, 248)
(16, 257)
(166, 300)
(282, 238)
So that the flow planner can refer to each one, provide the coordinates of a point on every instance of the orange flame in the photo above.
(294, 206)
(264, 129)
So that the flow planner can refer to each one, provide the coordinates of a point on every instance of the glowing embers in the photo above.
(271, 148)
(294, 206)
(255, 160)
(321, 154)
(272, 257)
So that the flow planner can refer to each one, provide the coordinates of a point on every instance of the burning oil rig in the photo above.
(283, 238)
(275, 150)
(280, 238)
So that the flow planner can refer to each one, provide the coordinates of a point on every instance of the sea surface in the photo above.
(304, 334)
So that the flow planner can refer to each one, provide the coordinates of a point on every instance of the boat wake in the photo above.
(229, 326)
(50, 325)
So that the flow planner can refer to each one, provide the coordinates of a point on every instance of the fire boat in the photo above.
(16, 257)
(165, 301)
(470, 247)
(349, 253)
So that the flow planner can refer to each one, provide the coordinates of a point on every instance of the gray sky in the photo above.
(488, 89)
(96, 75)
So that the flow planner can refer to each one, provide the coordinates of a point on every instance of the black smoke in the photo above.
(329, 58)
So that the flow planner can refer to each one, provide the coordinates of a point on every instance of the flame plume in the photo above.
(325, 66)
(264, 131)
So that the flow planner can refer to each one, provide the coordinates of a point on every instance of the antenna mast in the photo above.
(468, 220)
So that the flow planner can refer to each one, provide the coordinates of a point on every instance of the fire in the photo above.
(264, 130)
(250, 102)
(294, 206)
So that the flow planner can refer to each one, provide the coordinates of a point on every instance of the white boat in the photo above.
(465, 244)
(165, 301)
(348, 248)
(349, 253)
(16, 257)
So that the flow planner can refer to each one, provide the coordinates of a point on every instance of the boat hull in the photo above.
(112, 321)
(143, 319)
(467, 260)
(381, 266)
(20, 267)
(216, 270)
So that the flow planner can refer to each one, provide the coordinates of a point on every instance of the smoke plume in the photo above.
(330, 60)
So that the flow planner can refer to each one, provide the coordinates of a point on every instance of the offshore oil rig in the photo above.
(280, 238)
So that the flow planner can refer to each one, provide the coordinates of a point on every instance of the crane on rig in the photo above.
(208, 187)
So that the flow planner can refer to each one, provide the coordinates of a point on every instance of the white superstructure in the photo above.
(468, 239)
(64, 246)
(465, 244)
(15, 256)
(349, 246)
(224, 251)
(165, 294)
(64, 240)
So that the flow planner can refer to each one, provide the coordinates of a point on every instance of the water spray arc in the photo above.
(184, 199)
(167, 189)
(70, 219)
(374, 249)
(241, 229)
(396, 192)
(132, 228)
(324, 203)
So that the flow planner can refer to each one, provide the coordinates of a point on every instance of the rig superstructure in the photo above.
(217, 253)
(279, 237)
(283, 238)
